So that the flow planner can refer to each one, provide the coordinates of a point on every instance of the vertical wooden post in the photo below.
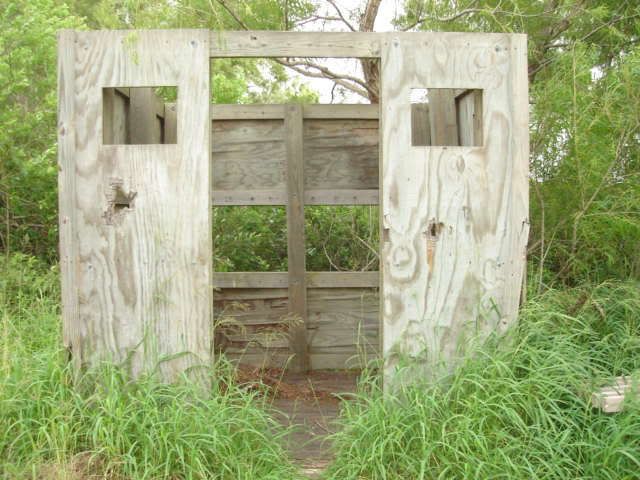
(420, 129)
(442, 109)
(295, 237)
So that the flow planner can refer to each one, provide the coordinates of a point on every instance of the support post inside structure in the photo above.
(295, 237)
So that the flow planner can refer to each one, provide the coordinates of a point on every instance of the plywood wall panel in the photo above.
(454, 219)
(142, 267)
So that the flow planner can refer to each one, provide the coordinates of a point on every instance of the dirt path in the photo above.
(308, 403)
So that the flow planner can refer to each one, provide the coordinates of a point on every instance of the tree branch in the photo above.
(342, 17)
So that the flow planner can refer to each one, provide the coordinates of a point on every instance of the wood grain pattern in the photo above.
(137, 267)
(294, 44)
(342, 329)
(454, 220)
(341, 154)
(295, 237)
(280, 279)
(249, 155)
(72, 326)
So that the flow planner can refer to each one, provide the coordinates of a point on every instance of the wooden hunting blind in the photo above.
(444, 154)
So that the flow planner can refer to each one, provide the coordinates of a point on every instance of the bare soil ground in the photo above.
(308, 402)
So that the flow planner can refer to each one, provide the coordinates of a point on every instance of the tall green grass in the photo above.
(105, 425)
(518, 409)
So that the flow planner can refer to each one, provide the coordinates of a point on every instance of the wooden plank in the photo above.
(276, 112)
(279, 197)
(342, 112)
(143, 228)
(442, 117)
(469, 118)
(249, 197)
(341, 197)
(144, 129)
(295, 235)
(170, 133)
(342, 279)
(420, 127)
(454, 221)
(72, 326)
(249, 155)
(115, 116)
(295, 44)
(263, 280)
(250, 280)
(341, 154)
(246, 112)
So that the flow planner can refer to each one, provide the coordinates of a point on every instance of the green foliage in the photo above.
(28, 171)
(584, 70)
(519, 409)
(255, 238)
(106, 425)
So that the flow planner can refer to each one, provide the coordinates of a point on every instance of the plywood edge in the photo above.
(67, 191)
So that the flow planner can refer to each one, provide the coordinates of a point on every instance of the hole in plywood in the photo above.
(139, 115)
(447, 117)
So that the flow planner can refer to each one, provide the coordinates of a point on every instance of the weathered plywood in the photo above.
(454, 219)
(136, 268)
(72, 326)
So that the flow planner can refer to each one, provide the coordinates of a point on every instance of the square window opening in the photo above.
(249, 239)
(341, 238)
(139, 115)
(446, 117)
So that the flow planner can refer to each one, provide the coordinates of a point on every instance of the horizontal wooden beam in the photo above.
(248, 197)
(341, 197)
(276, 112)
(342, 111)
(280, 279)
(269, 44)
(279, 197)
(342, 279)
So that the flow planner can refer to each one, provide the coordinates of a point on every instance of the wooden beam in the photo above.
(342, 279)
(276, 112)
(250, 280)
(281, 279)
(341, 197)
(279, 197)
(246, 112)
(265, 44)
(248, 197)
(295, 236)
(342, 111)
